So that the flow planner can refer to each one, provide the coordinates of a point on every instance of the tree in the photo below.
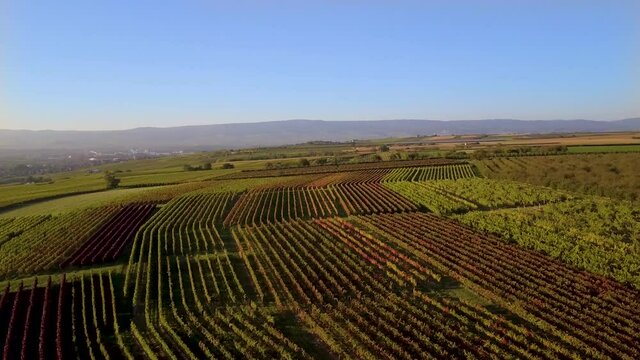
(111, 180)
(304, 162)
(321, 161)
(206, 166)
(384, 148)
(228, 166)
(480, 154)
(559, 148)
(188, 167)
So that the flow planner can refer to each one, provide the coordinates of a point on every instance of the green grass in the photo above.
(168, 177)
(131, 174)
(63, 184)
(75, 202)
(604, 174)
(580, 149)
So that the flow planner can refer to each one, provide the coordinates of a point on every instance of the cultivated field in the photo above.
(433, 258)
(612, 175)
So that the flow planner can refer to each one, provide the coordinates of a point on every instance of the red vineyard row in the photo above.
(110, 240)
(59, 321)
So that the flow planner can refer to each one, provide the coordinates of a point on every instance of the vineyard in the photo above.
(344, 168)
(69, 318)
(12, 227)
(278, 204)
(596, 317)
(53, 240)
(429, 196)
(109, 241)
(447, 172)
(493, 194)
(465, 194)
(612, 175)
(607, 232)
(422, 259)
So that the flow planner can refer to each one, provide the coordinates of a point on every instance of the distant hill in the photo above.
(275, 133)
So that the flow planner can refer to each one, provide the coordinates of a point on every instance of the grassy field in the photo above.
(63, 184)
(169, 177)
(603, 148)
(76, 202)
(132, 174)
(605, 174)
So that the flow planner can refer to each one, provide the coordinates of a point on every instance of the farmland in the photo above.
(330, 180)
(432, 258)
(611, 175)
(604, 148)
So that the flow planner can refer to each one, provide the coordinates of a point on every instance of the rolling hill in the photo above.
(273, 133)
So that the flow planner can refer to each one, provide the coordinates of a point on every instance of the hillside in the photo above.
(401, 260)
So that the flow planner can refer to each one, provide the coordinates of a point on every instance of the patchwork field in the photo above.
(425, 259)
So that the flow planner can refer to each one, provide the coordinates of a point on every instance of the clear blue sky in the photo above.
(91, 64)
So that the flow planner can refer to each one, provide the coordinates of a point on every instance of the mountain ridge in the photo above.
(283, 132)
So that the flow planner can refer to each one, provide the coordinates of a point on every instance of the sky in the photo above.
(112, 64)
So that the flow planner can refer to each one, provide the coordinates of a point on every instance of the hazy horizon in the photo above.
(325, 120)
(79, 65)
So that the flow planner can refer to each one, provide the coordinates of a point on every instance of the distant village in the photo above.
(28, 169)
